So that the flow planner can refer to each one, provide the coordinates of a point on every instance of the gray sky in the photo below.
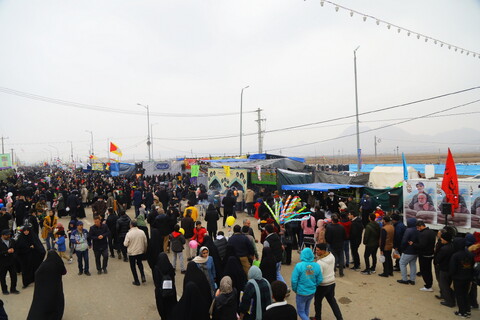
(195, 56)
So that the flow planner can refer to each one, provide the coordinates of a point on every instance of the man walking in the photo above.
(82, 242)
(249, 201)
(386, 246)
(425, 248)
(7, 263)
(335, 236)
(99, 233)
(397, 239)
(136, 244)
(273, 241)
(243, 248)
(370, 240)
(409, 252)
(356, 231)
(326, 289)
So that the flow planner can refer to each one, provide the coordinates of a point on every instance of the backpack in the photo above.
(167, 286)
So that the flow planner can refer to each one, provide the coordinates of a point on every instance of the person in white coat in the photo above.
(136, 243)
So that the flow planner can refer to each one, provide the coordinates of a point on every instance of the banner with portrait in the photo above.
(218, 180)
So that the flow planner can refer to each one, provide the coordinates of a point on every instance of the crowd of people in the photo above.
(225, 276)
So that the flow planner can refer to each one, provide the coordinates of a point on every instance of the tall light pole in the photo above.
(58, 153)
(241, 118)
(359, 151)
(148, 129)
(151, 133)
(91, 137)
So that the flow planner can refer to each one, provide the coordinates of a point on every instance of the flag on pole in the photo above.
(227, 171)
(115, 149)
(195, 170)
(450, 182)
(93, 157)
(405, 170)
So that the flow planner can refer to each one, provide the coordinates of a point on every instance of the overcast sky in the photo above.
(193, 57)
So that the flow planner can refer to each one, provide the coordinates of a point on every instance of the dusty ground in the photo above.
(113, 296)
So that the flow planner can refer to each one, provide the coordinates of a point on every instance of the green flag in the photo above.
(195, 170)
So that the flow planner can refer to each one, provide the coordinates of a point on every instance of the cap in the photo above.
(6, 232)
(469, 239)
(79, 223)
(420, 183)
(447, 236)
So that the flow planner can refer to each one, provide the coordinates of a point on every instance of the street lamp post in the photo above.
(91, 137)
(58, 153)
(359, 151)
(148, 129)
(241, 118)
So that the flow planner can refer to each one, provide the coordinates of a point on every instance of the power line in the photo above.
(433, 142)
(108, 109)
(399, 29)
(376, 129)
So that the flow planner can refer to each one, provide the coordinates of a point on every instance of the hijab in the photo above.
(195, 275)
(163, 267)
(226, 285)
(200, 258)
(254, 275)
(234, 269)
(268, 265)
(193, 304)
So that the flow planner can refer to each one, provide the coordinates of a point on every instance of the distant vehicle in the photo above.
(348, 173)
(474, 177)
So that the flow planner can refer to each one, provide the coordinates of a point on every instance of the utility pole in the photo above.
(3, 138)
(13, 163)
(359, 151)
(375, 143)
(241, 117)
(148, 131)
(260, 132)
(71, 151)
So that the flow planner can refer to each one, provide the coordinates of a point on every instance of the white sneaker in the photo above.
(426, 289)
(70, 260)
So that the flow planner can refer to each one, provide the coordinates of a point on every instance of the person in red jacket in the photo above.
(199, 234)
(346, 223)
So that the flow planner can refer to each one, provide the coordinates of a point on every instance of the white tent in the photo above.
(382, 177)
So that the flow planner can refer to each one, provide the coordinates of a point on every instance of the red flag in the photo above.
(450, 182)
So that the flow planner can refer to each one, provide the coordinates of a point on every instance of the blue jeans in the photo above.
(410, 259)
(49, 241)
(81, 257)
(303, 306)
(279, 274)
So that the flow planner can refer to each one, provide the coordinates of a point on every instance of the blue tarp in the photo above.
(266, 156)
(319, 186)
(462, 169)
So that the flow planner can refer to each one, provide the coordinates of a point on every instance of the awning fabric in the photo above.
(319, 186)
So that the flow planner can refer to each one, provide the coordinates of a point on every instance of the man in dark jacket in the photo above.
(20, 210)
(221, 243)
(137, 200)
(335, 236)
(99, 207)
(461, 271)
(242, 247)
(442, 260)
(123, 225)
(73, 204)
(99, 234)
(409, 252)
(112, 226)
(356, 231)
(397, 239)
(425, 248)
(371, 240)
(7, 262)
(273, 241)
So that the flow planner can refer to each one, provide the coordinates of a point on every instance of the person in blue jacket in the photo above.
(306, 276)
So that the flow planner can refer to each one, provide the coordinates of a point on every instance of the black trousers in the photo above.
(112, 245)
(327, 292)
(472, 296)
(339, 258)
(212, 233)
(445, 283)
(461, 288)
(388, 264)
(370, 251)
(98, 254)
(426, 270)
(250, 209)
(13, 277)
(136, 260)
(355, 255)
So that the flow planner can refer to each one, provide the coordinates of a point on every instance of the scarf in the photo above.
(200, 259)
(256, 274)
(226, 285)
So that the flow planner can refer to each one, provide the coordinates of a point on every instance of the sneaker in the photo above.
(136, 283)
(383, 275)
(396, 269)
(411, 282)
(403, 281)
(87, 273)
(355, 268)
(14, 291)
(99, 272)
(426, 289)
(80, 273)
(366, 271)
(70, 260)
(372, 270)
(143, 279)
(105, 271)
(461, 315)
(6, 293)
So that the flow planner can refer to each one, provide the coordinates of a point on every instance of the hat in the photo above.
(330, 193)
(420, 183)
(469, 239)
(79, 223)
(447, 236)
(6, 232)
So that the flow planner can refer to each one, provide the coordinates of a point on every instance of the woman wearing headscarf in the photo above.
(233, 269)
(217, 261)
(225, 305)
(155, 247)
(193, 304)
(211, 217)
(49, 225)
(195, 275)
(268, 265)
(256, 297)
(205, 263)
(48, 300)
(165, 290)
(320, 232)
(30, 253)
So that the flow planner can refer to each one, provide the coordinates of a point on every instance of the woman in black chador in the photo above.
(30, 253)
